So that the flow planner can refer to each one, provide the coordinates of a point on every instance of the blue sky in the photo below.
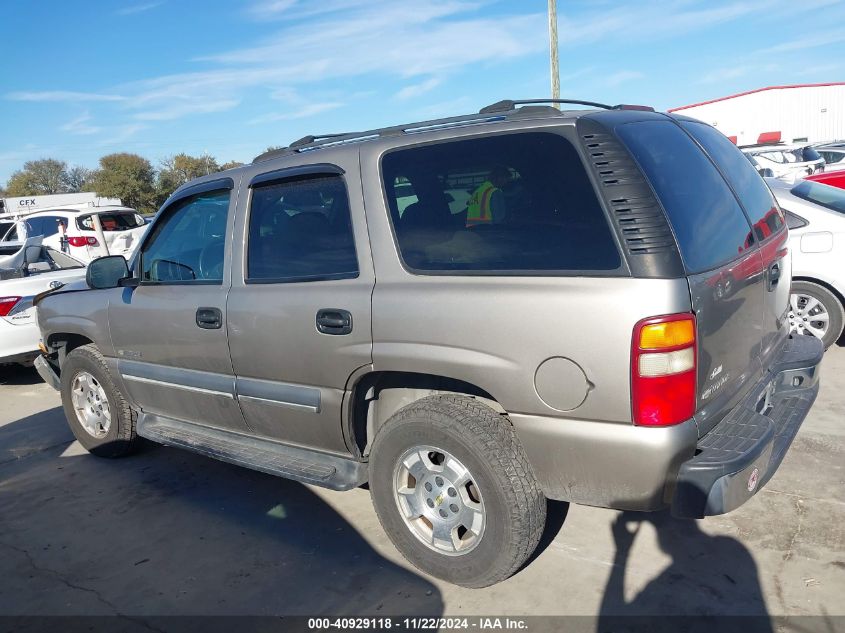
(158, 77)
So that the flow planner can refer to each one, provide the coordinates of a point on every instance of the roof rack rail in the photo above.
(308, 140)
(506, 105)
(315, 141)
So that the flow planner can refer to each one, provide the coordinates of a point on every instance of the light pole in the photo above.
(553, 50)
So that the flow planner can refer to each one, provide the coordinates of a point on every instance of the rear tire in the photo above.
(98, 414)
(831, 317)
(469, 463)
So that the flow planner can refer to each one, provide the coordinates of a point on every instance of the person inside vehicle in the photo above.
(486, 205)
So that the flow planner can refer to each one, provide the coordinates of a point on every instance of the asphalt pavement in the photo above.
(167, 532)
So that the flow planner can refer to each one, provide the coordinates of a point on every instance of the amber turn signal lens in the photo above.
(668, 334)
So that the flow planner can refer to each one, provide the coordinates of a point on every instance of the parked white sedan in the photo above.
(815, 214)
(29, 271)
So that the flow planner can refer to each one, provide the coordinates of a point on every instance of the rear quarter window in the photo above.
(510, 204)
(748, 185)
(709, 225)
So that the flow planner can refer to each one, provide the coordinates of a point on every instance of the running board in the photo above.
(299, 464)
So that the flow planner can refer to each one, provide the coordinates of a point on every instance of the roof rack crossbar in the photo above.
(507, 105)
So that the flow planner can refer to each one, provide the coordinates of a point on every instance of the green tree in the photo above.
(77, 178)
(231, 165)
(126, 176)
(176, 170)
(39, 177)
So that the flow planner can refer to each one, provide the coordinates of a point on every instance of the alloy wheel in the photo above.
(439, 500)
(91, 405)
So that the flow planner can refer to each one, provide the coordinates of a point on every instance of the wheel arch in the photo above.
(63, 343)
(833, 290)
(377, 395)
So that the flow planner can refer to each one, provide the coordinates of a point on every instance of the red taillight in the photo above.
(79, 240)
(6, 304)
(663, 370)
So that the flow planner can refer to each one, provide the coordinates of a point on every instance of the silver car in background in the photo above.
(24, 273)
(815, 214)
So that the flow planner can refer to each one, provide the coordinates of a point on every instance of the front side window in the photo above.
(708, 222)
(749, 187)
(509, 204)
(300, 230)
(188, 244)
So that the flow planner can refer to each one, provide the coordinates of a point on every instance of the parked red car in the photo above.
(834, 178)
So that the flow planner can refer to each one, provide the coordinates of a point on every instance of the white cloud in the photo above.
(177, 110)
(622, 76)
(269, 8)
(63, 96)
(117, 137)
(816, 40)
(80, 125)
(138, 8)
(302, 113)
(416, 90)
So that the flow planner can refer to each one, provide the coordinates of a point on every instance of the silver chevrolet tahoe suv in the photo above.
(471, 315)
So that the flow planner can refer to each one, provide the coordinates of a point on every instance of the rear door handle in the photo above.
(209, 318)
(334, 321)
(773, 277)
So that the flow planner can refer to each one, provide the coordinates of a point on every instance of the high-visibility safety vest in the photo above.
(479, 210)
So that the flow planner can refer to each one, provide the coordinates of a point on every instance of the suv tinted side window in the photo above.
(300, 230)
(188, 244)
(750, 188)
(514, 203)
(45, 225)
(709, 224)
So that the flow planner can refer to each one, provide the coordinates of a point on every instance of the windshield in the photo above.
(59, 260)
(111, 221)
(829, 197)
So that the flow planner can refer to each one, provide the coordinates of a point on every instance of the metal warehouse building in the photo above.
(805, 113)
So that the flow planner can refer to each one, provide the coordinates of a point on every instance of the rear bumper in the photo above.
(740, 454)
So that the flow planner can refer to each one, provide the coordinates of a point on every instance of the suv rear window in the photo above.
(708, 222)
(111, 221)
(749, 187)
(508, 204)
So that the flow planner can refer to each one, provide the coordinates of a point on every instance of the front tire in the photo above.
(98, 414)
(453, 489)
(816, 311)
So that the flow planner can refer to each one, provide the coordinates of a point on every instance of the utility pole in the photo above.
(553, 50)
